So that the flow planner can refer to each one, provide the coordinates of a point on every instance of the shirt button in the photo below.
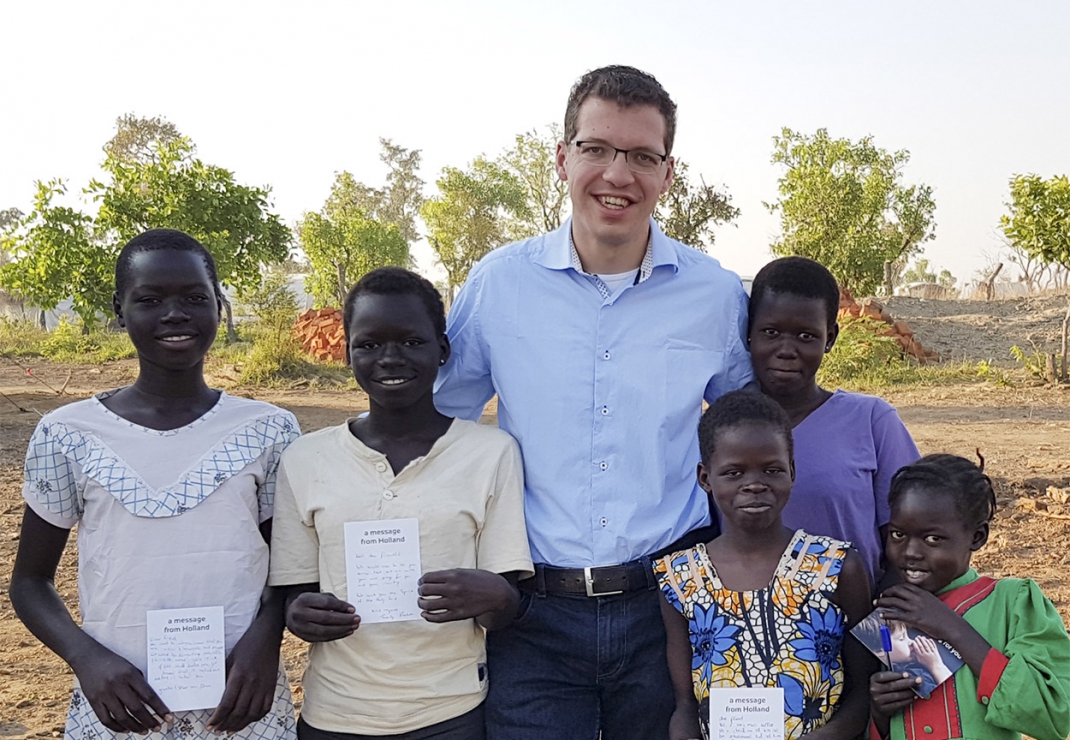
(381, 467)
(603, 465)
(388, 495)
(603, 521)
(984, 700)
(928, 729)
(605, 356)
(605, 411)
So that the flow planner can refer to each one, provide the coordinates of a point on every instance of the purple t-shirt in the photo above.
(846, 452)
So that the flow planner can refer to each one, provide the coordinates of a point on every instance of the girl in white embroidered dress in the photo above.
(172, 486)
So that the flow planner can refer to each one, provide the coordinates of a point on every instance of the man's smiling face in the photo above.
(611, 206)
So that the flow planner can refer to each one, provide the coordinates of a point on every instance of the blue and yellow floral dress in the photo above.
(787, 635)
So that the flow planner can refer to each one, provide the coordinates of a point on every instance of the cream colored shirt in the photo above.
(467, 493)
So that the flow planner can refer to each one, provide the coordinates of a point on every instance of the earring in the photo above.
(442, 361)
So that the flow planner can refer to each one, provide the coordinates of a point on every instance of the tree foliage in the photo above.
(1039, 220)
(688, 212)
(173, 189)
(136, 139)
(531, 162)
(343, 241)
(844, 204)
(473, 213)
(399, 201)
(149, 183)
(9, 220)
(56, 255)
(920, 272)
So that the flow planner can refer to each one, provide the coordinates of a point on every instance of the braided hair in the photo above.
(975, 498)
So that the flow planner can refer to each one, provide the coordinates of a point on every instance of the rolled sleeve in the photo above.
(294, 542)
(502, 545)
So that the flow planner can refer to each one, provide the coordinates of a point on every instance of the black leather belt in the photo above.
(609, 580)
(606, 580)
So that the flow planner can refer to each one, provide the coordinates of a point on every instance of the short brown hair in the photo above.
(625, 86)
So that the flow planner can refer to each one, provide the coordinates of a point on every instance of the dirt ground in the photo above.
(984, 330)
(1023, 431)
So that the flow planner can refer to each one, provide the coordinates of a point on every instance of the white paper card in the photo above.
(383, 569)
(747, 714)
(187, 656)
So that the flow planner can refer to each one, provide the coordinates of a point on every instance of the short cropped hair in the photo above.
(157, 239)
(625, 86)
(797, 276)
(397, 281)
(950, 475)
(741, 407)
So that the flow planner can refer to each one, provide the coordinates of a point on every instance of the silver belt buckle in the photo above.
(588, 581)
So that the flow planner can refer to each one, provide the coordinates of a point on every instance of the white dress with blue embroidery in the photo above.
(166, 519)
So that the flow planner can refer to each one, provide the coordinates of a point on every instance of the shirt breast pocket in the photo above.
(688, 370)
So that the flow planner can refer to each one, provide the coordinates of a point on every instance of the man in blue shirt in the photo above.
(601, 340)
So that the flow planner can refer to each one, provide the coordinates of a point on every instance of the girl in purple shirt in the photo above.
(847, 445)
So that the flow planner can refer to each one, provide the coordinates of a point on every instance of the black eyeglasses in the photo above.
(640, 161)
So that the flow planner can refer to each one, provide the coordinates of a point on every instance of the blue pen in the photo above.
(886, 643)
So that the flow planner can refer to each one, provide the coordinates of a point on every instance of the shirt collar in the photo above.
(560, 253)
(966, 578)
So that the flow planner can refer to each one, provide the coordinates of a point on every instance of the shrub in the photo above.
(860, 351)
(275, 353)
(65, 343)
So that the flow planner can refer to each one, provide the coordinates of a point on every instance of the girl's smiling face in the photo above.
(169, 307)
(394, 349)
(749, 475)
(928, 544)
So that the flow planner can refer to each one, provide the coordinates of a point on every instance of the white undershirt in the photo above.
(616, 280)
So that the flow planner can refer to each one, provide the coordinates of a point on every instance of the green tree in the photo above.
(171, 188)
(531, 162)
(922, 272)
(57, 255)
(688, 212)
(399, 201)
(473, 213)
(1039, 220)
(9, 221)
(844, 204)
(342, 242)
(136, 138)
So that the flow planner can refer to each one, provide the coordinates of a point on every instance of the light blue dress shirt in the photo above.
(603, 393)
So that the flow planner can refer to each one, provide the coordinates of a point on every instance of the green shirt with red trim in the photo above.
(1024, 686)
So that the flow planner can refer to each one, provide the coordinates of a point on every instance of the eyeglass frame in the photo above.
(664, 157)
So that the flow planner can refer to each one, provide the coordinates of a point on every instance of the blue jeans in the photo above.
(580, 668)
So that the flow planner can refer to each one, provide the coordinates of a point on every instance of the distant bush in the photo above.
(20, 338)
(275, 355)
(860, 350)
(65, 343)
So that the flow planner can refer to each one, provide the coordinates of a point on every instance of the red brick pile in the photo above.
(321, 334)
(898, 330)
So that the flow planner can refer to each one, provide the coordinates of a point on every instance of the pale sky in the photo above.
(285, 95)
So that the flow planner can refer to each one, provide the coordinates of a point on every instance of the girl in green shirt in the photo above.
(1016, 675)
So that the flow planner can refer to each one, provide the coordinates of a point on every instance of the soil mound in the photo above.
(983, 330)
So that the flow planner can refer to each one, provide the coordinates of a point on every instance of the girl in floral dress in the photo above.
(762, 605)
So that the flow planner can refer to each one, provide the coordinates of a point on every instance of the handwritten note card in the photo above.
(383, 569)
(187, 656)
(747, 714)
